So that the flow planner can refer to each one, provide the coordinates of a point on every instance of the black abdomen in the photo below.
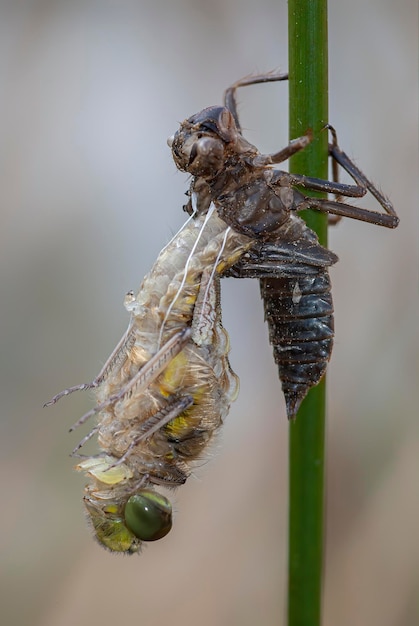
(296, 290)
(299, 312)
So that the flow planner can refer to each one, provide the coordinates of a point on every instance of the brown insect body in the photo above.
(285, 255)
(298, 309)
(259, 201)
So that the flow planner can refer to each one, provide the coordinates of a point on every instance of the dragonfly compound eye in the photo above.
(148, 515)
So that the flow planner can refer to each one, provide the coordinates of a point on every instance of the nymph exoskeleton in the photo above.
(262, 202)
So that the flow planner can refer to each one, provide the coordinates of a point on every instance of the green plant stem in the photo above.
(308, 110)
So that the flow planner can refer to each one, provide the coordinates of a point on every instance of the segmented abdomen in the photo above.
(296, 290)
(299, 312)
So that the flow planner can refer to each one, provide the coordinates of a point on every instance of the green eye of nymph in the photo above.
(148, 515)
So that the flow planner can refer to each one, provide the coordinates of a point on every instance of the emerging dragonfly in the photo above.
(165, 390)
(167, 387)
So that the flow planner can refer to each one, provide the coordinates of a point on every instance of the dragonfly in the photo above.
(165, 390)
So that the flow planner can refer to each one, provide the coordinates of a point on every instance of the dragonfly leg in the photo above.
(113, 363)
(175, 406)
(340, 157)
(230, 93)
(84, 440)
(145, 375)
(348, 210)
(207, 308)
(295, 145)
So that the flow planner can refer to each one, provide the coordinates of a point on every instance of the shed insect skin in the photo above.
(262, 202)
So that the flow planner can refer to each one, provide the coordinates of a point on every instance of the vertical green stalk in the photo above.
(308, 110)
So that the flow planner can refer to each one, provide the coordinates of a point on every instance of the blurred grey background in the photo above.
(90, 90)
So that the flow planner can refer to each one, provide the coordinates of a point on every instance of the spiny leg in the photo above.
(359, 177)
(208, 302)
(175, 407)
(84, 440)
(295, 145)
(230, 93)
(388, 219)
(284, 179)
(146, 375)
(114, 362)
(347, 210)
(332, 220)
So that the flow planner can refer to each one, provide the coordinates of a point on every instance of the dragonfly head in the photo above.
(146, 516)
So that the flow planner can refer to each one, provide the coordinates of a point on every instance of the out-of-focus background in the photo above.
(90, 90)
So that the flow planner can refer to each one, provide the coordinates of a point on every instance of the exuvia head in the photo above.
(205, 140)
